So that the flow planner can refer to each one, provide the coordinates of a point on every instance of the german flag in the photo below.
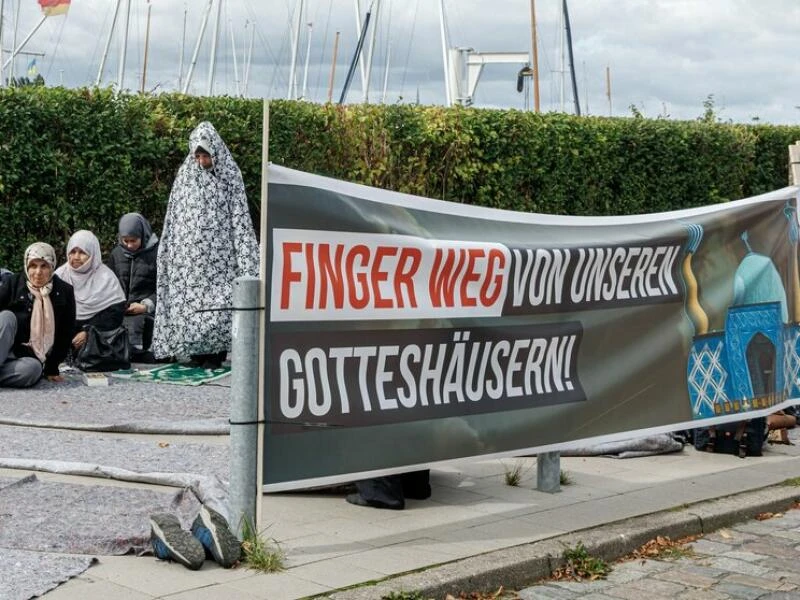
(51, 8)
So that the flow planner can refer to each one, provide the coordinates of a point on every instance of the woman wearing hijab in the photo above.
(99, 300)
(208, 241)
(37, 317)
(133, 261)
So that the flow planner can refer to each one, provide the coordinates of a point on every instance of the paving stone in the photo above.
(773, 549)
(702, 595)
(740, 592)
(735, 566)
(779, 596)
(693, 566)
(625, 574)
(732, 536)
(582, 587)
(790, 577)
(650, 588)
(779, 564)
(686, 578)
(708, 547)
(627, 592)
(546, 592)
(751, 581)
(789, 534)
(756, 527)
(750, 557)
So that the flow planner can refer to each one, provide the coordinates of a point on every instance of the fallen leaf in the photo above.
(725, 533)
(764, 516)
(163, 444)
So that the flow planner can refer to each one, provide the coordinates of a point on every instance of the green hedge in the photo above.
(81, 158)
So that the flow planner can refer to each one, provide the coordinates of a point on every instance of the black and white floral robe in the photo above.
(208, 240)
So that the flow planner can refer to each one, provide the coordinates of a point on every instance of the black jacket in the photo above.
(136, 272)
(14, 296)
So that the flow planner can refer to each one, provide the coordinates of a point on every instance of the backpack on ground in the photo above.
(743, 438)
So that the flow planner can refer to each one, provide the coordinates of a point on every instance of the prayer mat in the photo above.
(174, 373)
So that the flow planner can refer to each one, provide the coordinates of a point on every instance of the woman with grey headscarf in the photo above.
(133, 261)
(208, 240)
(37, 316)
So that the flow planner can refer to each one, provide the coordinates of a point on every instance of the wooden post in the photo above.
(794, 164)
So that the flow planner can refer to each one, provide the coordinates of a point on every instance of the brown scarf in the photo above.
(43, 321)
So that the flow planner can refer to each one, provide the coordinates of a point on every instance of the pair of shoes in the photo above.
(210, 536)
(359, 500)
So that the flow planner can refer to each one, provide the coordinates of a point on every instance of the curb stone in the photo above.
(524, 565)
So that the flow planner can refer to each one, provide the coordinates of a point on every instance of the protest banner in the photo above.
(404, 332)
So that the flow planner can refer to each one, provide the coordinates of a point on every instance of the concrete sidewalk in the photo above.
(474, 523)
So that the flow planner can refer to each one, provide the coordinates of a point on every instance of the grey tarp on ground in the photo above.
(27, 574)
(120, 407)
(644, 446)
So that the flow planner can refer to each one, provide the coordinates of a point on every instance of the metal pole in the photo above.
(235, 61)
(445, 54)
(188, 81)
(108, 45)
(292, 92)
(13, 72)
(213, 64)
(2, 70)
(548, 472)
(249, 58)
(575, 98)
(308, 56)
(386, 73)
(121, 73)
(183, 48)
(146, 46)
(244, 403)
(359, 46)
(359, 25)
(371, 51)
(562, 60)
(333, 67)
(535, 57)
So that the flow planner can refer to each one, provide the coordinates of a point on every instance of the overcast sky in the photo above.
(665, 57)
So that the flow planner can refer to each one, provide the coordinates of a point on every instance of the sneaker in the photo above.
(171, 542)
(212, 530)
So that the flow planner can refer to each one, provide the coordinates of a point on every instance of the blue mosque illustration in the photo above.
(755, 361)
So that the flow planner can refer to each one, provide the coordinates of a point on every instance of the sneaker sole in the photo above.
(180, 545)
(225, 547)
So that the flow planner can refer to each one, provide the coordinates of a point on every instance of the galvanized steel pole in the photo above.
(244, 403)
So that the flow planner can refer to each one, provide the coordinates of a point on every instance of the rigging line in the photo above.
(276, 71)
(324, 50)
(98, 40)
(55, 49)
(408, 49)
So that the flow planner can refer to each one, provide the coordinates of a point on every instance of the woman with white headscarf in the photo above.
(207, 241)
(37, 317)
(99, 299)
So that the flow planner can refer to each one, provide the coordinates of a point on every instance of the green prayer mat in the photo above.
(174, 373)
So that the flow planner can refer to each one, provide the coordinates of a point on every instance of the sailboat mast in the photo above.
(535, 57)
(308, 56)
(333, 67)
(183, 47)
(445, 49)
(235, 60)
(562, 59)
(188, 81)
(249, 58)
(2, 70)
(146, 47)
(14, 45)
(371, 51)
(108, 44)
(124, 54)
(213, 62)
(298, 19)
(576, 99)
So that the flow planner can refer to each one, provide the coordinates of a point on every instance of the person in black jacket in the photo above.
(133, 261)
(37, 317)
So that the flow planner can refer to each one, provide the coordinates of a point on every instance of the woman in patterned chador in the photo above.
(208, 241)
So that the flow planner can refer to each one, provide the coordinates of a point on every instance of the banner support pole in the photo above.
(794, 164)
(264, 316)
(244, 404)
(548, 472)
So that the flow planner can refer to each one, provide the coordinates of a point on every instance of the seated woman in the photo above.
(133, 261)
(37, 318)
(99, 299)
